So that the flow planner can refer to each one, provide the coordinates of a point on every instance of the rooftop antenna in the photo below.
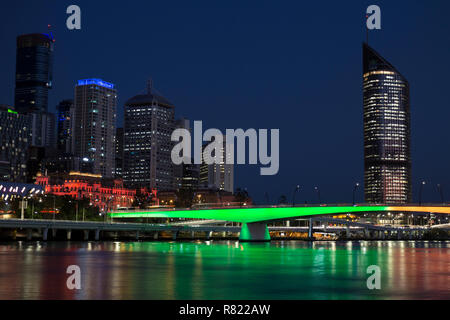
(367, 30)
(49, 27)
(149, 86)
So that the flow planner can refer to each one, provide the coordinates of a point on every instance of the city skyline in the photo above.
(305, 158)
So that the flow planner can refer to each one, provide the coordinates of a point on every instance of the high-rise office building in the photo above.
(33, 80)
(119, 152)
(148, 126)
(66, 123)
(95, 126)
(185, 175)
(218, 176)
(15, 137)
(387, 160)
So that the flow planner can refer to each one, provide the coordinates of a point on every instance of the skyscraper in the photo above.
(119, 152)
(15, 138)
(387, 160)
(148, 126)
(33, 80)
(218, 176)
(66, 123)
(95, 125)
(185, 175)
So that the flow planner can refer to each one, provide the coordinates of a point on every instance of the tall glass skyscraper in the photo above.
(34, 58)
(33, 72)
(387, 160)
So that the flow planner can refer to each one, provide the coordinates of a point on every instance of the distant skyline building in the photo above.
(34, 60)
(95, 125)
(15, 138)
(66, 122)
(186, 176)
(387, 160)
(217, 176)
(148, 126)
(119, 153)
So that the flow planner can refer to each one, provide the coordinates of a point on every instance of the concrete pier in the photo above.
(254, 232)
(45, 234)
(29, 234)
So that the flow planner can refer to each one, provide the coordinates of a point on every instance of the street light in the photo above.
(318, 193)
(420, 192)
(354, 191)
(297, 188)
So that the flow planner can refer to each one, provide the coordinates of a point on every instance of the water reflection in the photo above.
(225, 270)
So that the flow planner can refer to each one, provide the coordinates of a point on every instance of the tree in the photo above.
(143, 200)
(184, 198)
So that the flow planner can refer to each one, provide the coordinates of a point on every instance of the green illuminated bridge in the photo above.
(254, 220)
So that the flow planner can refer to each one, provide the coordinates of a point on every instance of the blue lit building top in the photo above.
(98, 82)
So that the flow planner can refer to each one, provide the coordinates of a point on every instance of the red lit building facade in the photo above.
(106, 194)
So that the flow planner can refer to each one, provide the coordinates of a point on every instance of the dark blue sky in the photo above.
(292, 65)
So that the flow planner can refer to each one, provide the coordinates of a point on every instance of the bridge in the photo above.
(254, 219)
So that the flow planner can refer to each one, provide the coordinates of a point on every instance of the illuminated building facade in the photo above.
(387, 160)
(95, 125)
(15, 138)
(148, 126)
(106, 194)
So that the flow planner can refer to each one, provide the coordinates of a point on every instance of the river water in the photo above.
(225, 270)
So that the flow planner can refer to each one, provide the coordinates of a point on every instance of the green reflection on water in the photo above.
(232, 270)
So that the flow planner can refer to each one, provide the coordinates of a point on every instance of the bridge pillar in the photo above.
(288, 223)
(174, 235)
(310, 229)
(208, 235)
(29, 234)
(137, 235)
(85, 235)
(45, 234)
(53, 233)
(97, 235)
(254, 232)
(155, 236)
(347, 232)
(192, 234)
(69, 234)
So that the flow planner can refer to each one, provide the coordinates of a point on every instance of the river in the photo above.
(225, 270)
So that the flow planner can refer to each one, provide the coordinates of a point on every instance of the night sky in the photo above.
(292, 65)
